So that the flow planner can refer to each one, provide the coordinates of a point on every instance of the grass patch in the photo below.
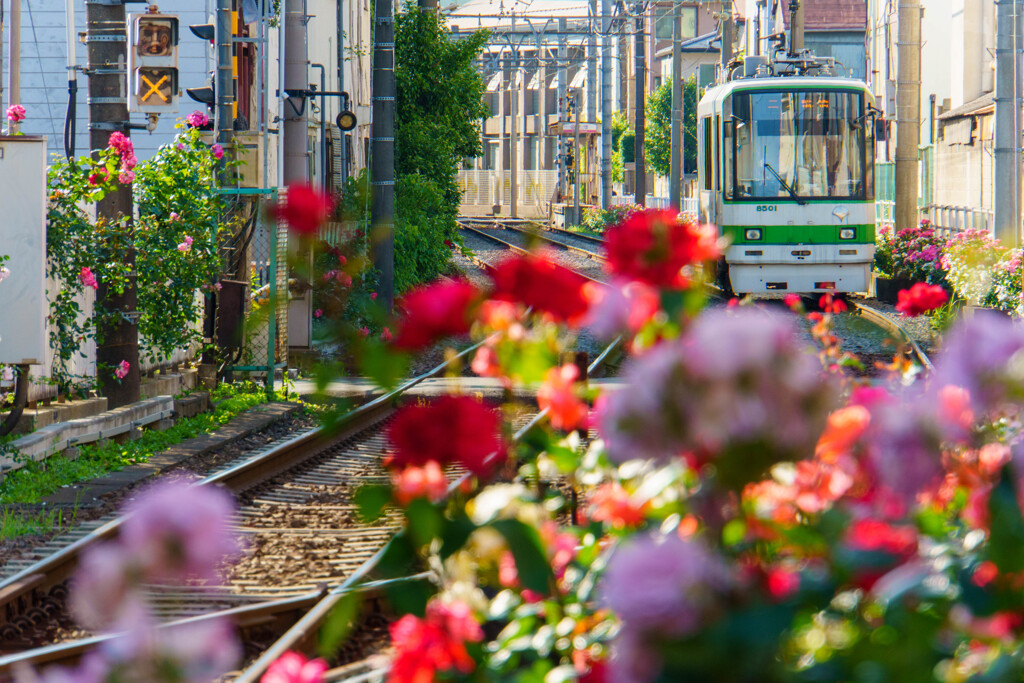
(36, 480)
(580, 230)
(13, 524)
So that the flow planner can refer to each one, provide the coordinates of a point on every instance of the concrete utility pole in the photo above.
(542, 104)
(726, 53)
(577, 165)
(675, 170)
(15, 60)
(563, 93)
(1006, 195)
(640, 183)
(592, 65)
(382, 164)
(295, 128)
(513, 141)
(606, 103)
(908, 113)
(108, 112)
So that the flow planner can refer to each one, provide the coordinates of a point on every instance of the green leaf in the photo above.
(410, 597)
(528, 550)
(1006, 535)
(371, 499)
(338, 624)
(398, 558)
(425, 521)
(734, 532)
(455, 534)
(382, 365)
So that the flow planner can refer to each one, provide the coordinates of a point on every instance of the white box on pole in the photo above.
(23, 305)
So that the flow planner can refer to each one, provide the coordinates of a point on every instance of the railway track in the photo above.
(866, 330)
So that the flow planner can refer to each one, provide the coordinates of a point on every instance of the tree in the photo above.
(658, 132)
(440, 99)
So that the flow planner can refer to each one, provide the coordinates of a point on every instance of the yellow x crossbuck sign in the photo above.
(154, 88)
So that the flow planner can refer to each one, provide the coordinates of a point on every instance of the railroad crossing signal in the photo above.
(153, 63)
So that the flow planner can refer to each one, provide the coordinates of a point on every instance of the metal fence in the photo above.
(690, 204)
(481, 190)
(265, 332)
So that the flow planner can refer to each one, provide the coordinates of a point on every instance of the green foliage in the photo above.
(440, 99)
(423, 232)
(627, 147)
(37, 480)
(176, 203)
(658, 128)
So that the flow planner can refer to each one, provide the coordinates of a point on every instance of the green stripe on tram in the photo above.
(800, 234)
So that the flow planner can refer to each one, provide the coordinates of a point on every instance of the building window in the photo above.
(663, 22)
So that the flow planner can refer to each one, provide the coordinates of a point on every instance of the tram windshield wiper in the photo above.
(790, 190)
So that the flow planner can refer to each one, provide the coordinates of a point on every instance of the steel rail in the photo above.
(886, 322)
(520, 250)
(565, 245)
(57, 567)
(312, 620)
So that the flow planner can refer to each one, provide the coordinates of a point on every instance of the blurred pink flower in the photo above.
(373, 296)
(122, 369)
(87, 278)
(101, 592)
(174, 216)
(15, 113)
(736, 378)
(292, 667)
(4, 272)
(622, 307)
(318, 312)
(659, 586)
(7, 373)
(186, 245)
(386, 335)
(181, 146)
(218, 151)
(179, 530)
(120, 142)
(364, 331)
(197, 119)
(126, 177)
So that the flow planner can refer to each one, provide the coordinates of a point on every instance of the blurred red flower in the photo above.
(305, 208)
(453, 429)
(557, 395)
(537, 281)
(878, 536)
(654, 246)
(437, 310)
(611, 503)
(920, 298)
(433, 644)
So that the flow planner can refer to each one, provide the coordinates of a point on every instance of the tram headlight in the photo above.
(753, 234)
(847, 233)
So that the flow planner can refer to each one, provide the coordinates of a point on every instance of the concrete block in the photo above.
(72, 453)
(135, 434)
(192, 405)
(162, 425)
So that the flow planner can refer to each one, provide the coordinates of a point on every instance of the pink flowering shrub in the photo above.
(970, 259)
(913, 254)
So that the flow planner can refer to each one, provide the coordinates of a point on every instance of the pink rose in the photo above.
(126, 177)
(15, 113)
(122, 370)
(186, 245)
(218, 151)
(87, 278)
(197, 119)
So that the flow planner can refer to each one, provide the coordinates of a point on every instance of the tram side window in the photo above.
(707, 152)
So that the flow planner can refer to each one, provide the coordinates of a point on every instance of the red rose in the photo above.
(920, 298)
(437, 310)
(457, 429)
(654, 246)
(304, 209)
(537, 281)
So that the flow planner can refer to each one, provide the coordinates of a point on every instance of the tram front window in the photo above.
(798, 144)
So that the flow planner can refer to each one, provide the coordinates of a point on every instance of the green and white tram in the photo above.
(786, 170)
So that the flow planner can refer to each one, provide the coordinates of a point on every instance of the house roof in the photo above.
(831, 15)
(983, 105)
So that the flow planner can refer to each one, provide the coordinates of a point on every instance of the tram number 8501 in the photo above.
(767, 207)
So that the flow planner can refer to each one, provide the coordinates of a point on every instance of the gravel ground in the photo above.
(570, 259)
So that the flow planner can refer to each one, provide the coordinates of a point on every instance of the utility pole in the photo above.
(577, 166)
(513, 141)
(640, 184)
(295, 128)
(592, 64)
(118, 335)
(382, 164)
(1007, 133)
(675, 169)
(563, 93)
(15, 66)
(606, 103)
(726, 54)
(908, 113)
